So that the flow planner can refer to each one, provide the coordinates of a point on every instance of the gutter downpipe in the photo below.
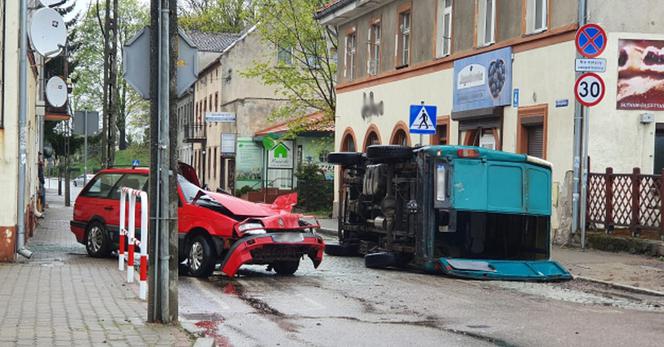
(578, 147)
(22, 116)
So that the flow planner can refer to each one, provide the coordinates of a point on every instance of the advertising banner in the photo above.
(640, 75)
(483, 81)
(249, 162)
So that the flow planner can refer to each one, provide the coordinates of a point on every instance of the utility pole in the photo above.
(578, 148)
(163, 248)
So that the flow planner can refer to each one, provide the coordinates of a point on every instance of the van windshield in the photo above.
(189, 190)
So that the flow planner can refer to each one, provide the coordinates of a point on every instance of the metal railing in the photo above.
(194, 132)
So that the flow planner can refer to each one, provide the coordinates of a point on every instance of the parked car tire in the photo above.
(97, 241)
(380, 260)
(340, 250)
(345, 158)
(388, 153)
(286, 268)
(201, 258)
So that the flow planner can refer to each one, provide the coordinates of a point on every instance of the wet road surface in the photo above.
(344, 304)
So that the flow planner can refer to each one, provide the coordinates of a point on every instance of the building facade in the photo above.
(501, 74)
(9, 158)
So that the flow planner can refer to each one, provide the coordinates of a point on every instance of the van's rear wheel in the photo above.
(286, 268)
(201, 258)
(389, 153)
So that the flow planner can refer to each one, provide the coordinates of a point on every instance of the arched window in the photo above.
(348, 144)
(400, 135)
(372, 139)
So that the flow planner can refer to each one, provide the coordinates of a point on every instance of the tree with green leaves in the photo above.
(215, 16)
(306, 72)
(132, 16)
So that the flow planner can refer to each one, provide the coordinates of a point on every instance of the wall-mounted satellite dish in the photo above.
(48, 32)
(56, 91)
(49, 3)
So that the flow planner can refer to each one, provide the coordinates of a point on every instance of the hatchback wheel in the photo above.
(201, 258)
(286, 268)
(97, 243)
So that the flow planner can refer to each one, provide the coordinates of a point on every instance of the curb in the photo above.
(621, 286)
(195, 333)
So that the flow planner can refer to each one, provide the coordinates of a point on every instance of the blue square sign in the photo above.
(423, 119)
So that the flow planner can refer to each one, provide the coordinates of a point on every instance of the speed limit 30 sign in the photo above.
(589, 89)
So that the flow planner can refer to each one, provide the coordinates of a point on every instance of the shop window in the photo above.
(536, 19)
(374, 48)
(483, 137)
(444, 30)
(531, 135)
(351, 51)
(486, 22)
(404, 38)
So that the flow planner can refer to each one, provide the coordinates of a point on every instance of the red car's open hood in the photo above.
(241, 207)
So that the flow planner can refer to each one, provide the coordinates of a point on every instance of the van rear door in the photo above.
(508, 270)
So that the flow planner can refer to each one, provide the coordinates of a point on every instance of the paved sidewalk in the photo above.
(62, 297)
(620, 269)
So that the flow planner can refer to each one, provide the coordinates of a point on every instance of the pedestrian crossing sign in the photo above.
(423, 119)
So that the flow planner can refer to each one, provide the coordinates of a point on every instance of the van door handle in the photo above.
(108, 208)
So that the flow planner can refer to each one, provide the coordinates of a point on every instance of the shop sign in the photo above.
(280, 156)
(228, 144)
(249, 162)
(483, 81)
(371, 108)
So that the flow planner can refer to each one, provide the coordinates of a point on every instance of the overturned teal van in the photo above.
(461, 211)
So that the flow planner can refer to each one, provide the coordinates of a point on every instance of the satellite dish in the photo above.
(48, 32)
(56, 91)
(49, 3)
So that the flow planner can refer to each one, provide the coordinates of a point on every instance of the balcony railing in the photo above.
(194, 132)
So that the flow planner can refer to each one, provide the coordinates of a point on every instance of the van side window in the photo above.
(101, 185)
(133, 181)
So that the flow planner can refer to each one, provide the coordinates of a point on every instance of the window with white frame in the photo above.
(486, 22)
(404, 39)
(444, 30)
(284, 55)
(536, 16)
(374, 48)
(351, 51)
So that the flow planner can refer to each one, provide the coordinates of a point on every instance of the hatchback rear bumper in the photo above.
(273, 247)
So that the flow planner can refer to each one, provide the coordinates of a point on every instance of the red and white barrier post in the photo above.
(132, 237)
(132, 241)
(143, 244)
(123, 232)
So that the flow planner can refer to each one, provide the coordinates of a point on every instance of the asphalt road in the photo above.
(344, 304)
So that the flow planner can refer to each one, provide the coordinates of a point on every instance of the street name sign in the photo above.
(423, 119)
(220, 117)
(589, 89)
(590, 40)
(590, 65)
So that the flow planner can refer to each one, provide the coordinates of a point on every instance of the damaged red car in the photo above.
(214, 228)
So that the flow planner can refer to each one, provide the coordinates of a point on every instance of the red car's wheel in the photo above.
(97, 242)
(201, 257)
(286, 268)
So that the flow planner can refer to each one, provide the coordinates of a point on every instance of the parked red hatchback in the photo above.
(213, 228)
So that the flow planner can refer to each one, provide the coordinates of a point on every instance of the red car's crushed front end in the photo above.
(271, 240)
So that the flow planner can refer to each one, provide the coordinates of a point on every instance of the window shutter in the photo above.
(536, 140)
